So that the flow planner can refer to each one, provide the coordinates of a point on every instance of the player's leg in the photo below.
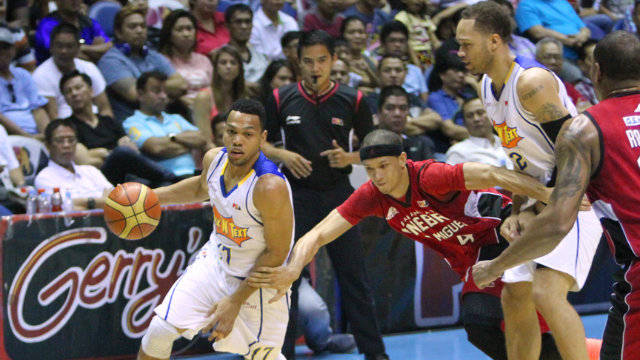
(481, 318)
(620, 340)
(550, 289)
(158, 340)
(521, 327)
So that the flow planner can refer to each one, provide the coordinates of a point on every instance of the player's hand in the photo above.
(484, 274)
(585, 205)
(338, 158)
(224, 314)
(279, 278)
(297, 164)
(510, 228)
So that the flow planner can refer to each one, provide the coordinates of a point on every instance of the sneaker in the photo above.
(341, 343)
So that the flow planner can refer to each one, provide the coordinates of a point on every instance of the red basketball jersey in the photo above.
(614, 189)
(455, 228)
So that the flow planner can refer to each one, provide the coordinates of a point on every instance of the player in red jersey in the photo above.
(449, 208)
(597, 152)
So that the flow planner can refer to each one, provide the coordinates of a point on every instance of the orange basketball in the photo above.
(132, 211)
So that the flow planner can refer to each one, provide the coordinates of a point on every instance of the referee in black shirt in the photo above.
(315, 120)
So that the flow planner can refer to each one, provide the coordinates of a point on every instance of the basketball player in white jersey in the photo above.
(253, 226)
(528, 105)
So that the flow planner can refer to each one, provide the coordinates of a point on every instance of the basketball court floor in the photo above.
(446, 344)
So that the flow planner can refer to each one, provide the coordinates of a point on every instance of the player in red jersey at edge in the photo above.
(597, 153)
(449, 208)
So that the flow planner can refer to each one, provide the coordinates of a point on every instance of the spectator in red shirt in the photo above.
(212, 31)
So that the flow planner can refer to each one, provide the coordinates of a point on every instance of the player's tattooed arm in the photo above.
(537, 90)
(577, 155)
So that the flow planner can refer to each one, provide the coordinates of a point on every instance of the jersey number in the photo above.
(519, 160)
(225, 249)
(266, 349)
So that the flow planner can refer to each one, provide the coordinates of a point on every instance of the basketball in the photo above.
(132, 211)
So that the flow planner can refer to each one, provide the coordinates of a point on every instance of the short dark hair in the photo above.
(54, 124)
(253, 107)
(124, 13)
(288, 37)
(506, 3)
(391, 27)
(231, 10)
(142, 81)
(391, 90)
(386, 57)
(315, 37)
(167, 27)
(65, 28)
(72, 74)
(618, 54)
(443, 63)
(381, 137)
(347, 21)
(490, 18)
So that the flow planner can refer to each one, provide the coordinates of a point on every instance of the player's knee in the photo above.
(514, 295)
(158, 340)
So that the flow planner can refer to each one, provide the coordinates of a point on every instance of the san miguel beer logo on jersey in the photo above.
(227, 228)
(508, 135)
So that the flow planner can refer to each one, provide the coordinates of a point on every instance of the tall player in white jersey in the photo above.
(253, 227)
(528, 105)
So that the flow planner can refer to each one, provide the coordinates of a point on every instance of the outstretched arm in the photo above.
(577, 155)
(271, 198)
(482, 176)
(188, 190)
(329, 229)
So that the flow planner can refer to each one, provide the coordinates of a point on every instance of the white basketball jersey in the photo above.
(523, 139)
(238, 233)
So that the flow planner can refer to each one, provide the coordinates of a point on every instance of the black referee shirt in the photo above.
(309, 125)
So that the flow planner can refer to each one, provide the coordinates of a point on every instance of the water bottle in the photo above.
(32, 202)
(56, 200)
(67, 202)
(44, 202)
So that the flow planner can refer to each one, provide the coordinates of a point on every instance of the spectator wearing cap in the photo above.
(22, 109)
(25, 56)
(95, 41)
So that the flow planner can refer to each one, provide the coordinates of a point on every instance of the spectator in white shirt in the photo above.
(64, 49)
(482, 145)
(269, 25)
(85, 182)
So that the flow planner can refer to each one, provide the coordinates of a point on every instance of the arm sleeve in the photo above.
(273, 118)
(437, 104)
(45, 86)
(362, 122)
(360, 204)
(441, 178)
(114, 68)
(162, 63)
(35, 99)
(526, 17)
(136, 130)
(98, 31)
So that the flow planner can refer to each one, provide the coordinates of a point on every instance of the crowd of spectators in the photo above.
(147, 102)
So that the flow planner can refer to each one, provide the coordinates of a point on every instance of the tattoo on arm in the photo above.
(549, 112)
(573, 169)
(530, 94)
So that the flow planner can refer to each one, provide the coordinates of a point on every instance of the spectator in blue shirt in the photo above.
(557, 19)
(167, 138)
(95, 41)
(129, 58)
(21, 108)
